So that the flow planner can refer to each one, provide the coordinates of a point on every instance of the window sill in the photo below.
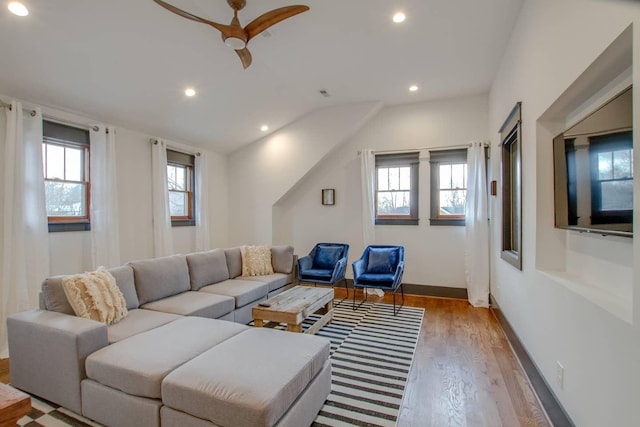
(447, 221)
(397, 221)
(183, 222)
(57, 227)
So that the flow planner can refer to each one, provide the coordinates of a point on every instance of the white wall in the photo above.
(554, 41)
(70, 252)
(261, 173)
(434, 255)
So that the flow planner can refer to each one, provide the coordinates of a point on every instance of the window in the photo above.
(397, 189)
(65, 158)
(180, 179)
(612, 179)
(448, 186)
(510, 137)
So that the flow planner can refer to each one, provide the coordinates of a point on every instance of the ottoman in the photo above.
(260, 377)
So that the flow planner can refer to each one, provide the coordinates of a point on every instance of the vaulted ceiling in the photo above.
(128, 62)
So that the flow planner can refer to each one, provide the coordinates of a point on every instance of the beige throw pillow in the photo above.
(256, 260)
(95, 296)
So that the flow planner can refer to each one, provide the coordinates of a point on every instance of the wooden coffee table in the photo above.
(14, 404)
(293, 306)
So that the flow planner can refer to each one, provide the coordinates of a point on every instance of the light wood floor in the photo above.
(464, 372)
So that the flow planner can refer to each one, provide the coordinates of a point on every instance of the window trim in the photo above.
(64, 135)
(437, 158)
(408, 159)
(511, 174)
(185, 160)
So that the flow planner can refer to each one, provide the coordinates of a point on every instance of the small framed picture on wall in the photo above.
(328, 196)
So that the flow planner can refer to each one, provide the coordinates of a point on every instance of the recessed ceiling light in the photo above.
(413, 88)
(18, 8)
(399, 17)
(190, 92)
(264, 128)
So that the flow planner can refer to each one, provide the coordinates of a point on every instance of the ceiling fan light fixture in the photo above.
(235, 43)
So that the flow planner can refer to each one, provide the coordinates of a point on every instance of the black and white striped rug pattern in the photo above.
(371, 355)
(370, 363)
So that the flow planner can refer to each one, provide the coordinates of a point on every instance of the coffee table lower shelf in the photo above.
(293, 306)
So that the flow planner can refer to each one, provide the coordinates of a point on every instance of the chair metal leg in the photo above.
(346, 287)
(395, 313)
(361, 302)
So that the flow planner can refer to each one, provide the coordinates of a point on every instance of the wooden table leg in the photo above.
(294, 327)
(257, 323)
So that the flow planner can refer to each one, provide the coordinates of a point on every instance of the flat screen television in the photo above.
(593, 171)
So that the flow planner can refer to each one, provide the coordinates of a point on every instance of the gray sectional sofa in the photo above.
(183, 355)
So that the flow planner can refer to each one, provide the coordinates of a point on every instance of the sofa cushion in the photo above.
(382, 260)
(125, 281)
(326, 257)
(206, 268)
(229, 385)
(54, 297)
(243, 291)
(138, 364)
(274, 281)
(137, 321)
(256, 260)
(234, 261)
(95, 295)
(194, 304)
(282, 259)
(160, 277)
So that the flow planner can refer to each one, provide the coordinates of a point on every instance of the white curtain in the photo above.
(105, 239)
(203, 240)
(25, 243)
(367, 180)
(477, 227)
(162, 235)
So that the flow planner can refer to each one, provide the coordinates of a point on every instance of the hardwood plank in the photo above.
(4, 371)
(464, 371)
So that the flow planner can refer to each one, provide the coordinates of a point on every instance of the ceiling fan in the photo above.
(233, 34)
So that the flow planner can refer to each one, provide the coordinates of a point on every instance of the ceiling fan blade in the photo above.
(177, 11)
(268, 19)
(245, 57)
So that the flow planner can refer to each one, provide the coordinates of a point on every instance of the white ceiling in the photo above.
(128, 62)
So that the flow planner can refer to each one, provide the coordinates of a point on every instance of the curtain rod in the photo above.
(443, 147)
(26, 110)
(157, 140)
(94, 128)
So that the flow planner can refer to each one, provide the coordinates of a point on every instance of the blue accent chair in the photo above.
(380, 266)
(326, 264)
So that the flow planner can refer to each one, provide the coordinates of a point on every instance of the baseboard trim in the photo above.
(556, 413)
(429, 291)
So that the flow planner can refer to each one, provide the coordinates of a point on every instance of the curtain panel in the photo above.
(105, 238)
(477, 227)
(24, 261)
(162, 234)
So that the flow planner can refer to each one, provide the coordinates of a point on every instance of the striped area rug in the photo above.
(372, 352)
(371, 355)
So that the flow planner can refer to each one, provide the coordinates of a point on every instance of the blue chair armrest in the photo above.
(339, 270)
(304, 263)
(358, 269)
(398, 275)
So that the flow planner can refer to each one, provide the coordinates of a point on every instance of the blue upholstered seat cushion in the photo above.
(326, 257)
(376, 280)
(382, 260)
(316, 274)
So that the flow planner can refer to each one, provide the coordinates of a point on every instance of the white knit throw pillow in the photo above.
(95, 295)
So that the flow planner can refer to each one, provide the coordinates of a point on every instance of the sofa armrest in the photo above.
(47, 354)
(358, 269)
